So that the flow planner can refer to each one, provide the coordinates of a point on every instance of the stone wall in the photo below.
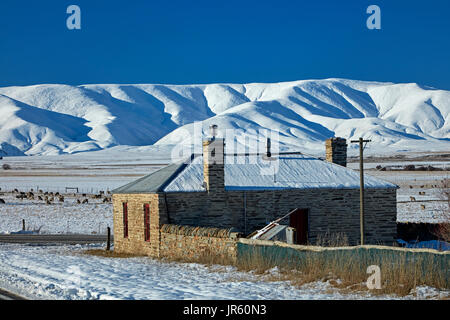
(197, 244)
(330, 211)
(135, 242)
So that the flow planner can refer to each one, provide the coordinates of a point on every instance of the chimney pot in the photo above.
(213, 130)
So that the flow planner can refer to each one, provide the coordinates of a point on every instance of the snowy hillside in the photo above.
(55, 119)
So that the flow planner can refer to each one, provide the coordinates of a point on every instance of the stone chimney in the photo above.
(336, 151)
(214, 162)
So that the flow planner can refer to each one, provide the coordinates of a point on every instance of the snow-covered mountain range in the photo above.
(52, 119)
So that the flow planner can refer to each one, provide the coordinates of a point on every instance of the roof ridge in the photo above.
(180, 169)
(296, 172)
(163, 176)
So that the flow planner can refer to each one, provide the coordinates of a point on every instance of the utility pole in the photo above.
(361, 186)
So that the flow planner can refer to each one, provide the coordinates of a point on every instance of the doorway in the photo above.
(299, 220)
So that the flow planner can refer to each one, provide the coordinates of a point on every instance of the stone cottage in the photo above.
(246, 192)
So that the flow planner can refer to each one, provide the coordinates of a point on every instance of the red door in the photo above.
(299, 221)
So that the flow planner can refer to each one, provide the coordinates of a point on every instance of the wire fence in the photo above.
(54, 189)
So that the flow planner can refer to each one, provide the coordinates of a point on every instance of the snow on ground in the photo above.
(430, 244)
(400, 164)
(62, 272)
(85, 184)
(89, 172)
(419, 196)
(56, 218)
(417, 212)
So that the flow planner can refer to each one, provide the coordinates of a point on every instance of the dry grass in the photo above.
(347, 269)
(332, 240)
(109, 254)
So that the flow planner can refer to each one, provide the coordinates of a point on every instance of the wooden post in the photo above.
(361, 187)
(108, 243)
(23, 224)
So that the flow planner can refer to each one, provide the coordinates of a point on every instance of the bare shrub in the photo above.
(6, 166)
(110, 253)
(338, 239)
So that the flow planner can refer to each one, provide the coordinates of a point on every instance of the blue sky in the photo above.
(196, 41)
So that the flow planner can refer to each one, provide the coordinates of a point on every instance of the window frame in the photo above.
(146, 222)
(125, 219)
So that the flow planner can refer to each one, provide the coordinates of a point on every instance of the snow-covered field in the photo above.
(90, 172)
(63, 272)
(419, 198)
(56, 218)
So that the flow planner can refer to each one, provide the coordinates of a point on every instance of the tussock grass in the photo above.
(109, 254)
(332, 240)
(401, 271)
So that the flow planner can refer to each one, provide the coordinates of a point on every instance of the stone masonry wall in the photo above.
(135, 242)
(330, 211)
(195, 243)
(336, 151)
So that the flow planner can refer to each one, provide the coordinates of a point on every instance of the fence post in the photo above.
(108, 243)
(23, 224)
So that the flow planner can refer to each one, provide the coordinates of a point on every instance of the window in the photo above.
(147, 222)
(125, 219)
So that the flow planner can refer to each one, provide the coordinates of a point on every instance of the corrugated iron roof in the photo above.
(255, 173)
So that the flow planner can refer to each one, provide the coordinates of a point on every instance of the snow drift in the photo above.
(55, 119)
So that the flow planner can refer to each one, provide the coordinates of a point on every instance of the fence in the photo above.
(60, 189)
(427, 265)
(293, 252)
